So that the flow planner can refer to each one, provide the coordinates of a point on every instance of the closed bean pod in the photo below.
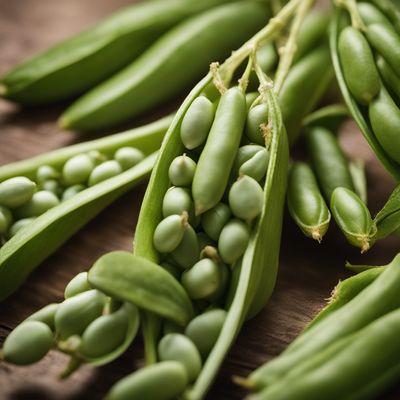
(233, 241)
(15, 192)
(389, 76)
(371, 15)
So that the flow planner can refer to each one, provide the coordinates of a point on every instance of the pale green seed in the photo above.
(176, 201)
(215, 219)
(257, 119)
(78, 284)
(169, 233)
(52, 186)
(45, 315)
(40, 202)
(233, 241)
(6, 219)
(76, 313)
(20, 224)
(128, 157)
(96, 157)
(203, 280)
(177, 347)
(45, 173)
(256, 167)
(246, 198)
(188, 251)
(77, 169)
(181, 171)
(205, 329)
(162, 381)
(244, 153)
(15, 192)
(28, 343)
(72, 191)
(106, 170)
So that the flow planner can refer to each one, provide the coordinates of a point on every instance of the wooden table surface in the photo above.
(308, 271)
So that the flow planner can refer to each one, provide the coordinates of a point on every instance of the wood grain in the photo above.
(307, 274)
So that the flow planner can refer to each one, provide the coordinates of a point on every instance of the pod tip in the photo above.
(243, 382)
(316, 235)
(3, 89)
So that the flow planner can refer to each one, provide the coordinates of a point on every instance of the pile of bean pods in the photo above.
(206, 246)
(22, 199)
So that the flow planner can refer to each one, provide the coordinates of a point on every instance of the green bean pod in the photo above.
(257, 166)
(372, 15)
(306, 204)
(329, 162)
(210, 178)
(82, 61)
(389, 76)
(256, 123)
(153, 79)
(162, 381)
(384, 116)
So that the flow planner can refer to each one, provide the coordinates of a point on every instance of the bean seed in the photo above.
(78, 284)
(77, 169)
(181, 171)
(72, 191)
(106, 170)
(176, 201)
(233, 241)
(18, 225)
(215, 219)
(15, 192)
(45, 315)
(128, 157)
(256, 167)
(6, 219)
(45, 173)
(257, 119)
(187, 252)
(169, 233)
(40, 202)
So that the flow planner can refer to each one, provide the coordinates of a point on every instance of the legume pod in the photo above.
(259, 265)
(163, 70)
(82, 61)
(30, 246)
(357, 112)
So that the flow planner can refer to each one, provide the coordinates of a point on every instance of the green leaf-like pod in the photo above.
(45, 315)
(128, 157)
(14, 192)
(197, 122)
(74, 314)
(256, 123)
(188, 251)
(257, 166)
(384, 116)
(306, 204)
(169, 233)
(162, 381)
(178, 347)
(213, 220)
(143, 283)
(78, 169)
(40, 202)
(104, 171)
(358, 65)
(329, 162)
(353, 218)
(28, 343)
(80, 62)
(78, 284)
(233, 241)
(181, 171)
(216, 159)
(153, 79)
(204, 330)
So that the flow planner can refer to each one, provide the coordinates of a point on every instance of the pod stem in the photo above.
(72, 366)
(243, 382)
(288, 51)
(352, 8)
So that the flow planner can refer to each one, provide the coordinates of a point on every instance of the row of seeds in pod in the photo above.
(22, 199)
(203, 235)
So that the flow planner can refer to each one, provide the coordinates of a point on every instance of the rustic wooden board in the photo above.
(307, 274)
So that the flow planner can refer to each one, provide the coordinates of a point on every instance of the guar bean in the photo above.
(233, 241)
(386, 41)
(244, 154)
(172, 269)
(246, 198)
(196, 123)
(203, 280)
(162, 381)
(204, 330)
(52, 186)
(256, 122)
(376, 300)
(215, 219)
(18, 225)
(178, 347)
(15, 192)
(353, 218)
(257, 166)
(216, 159)
(76, 313)
(384, 116)
(188, 251)
(176, 201)
(107, 332)
(371, 15)
(77, 169)
(358, 65)
(169, 233)
(28, 343)
(71, 191)
(45, 315)
(306, 204)
(329, 162)
(127, 157)
(45, 173)
(106, 170)
(391, 79)
(6, 219)
(78, 284)
(181, 171)
(40, 202)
